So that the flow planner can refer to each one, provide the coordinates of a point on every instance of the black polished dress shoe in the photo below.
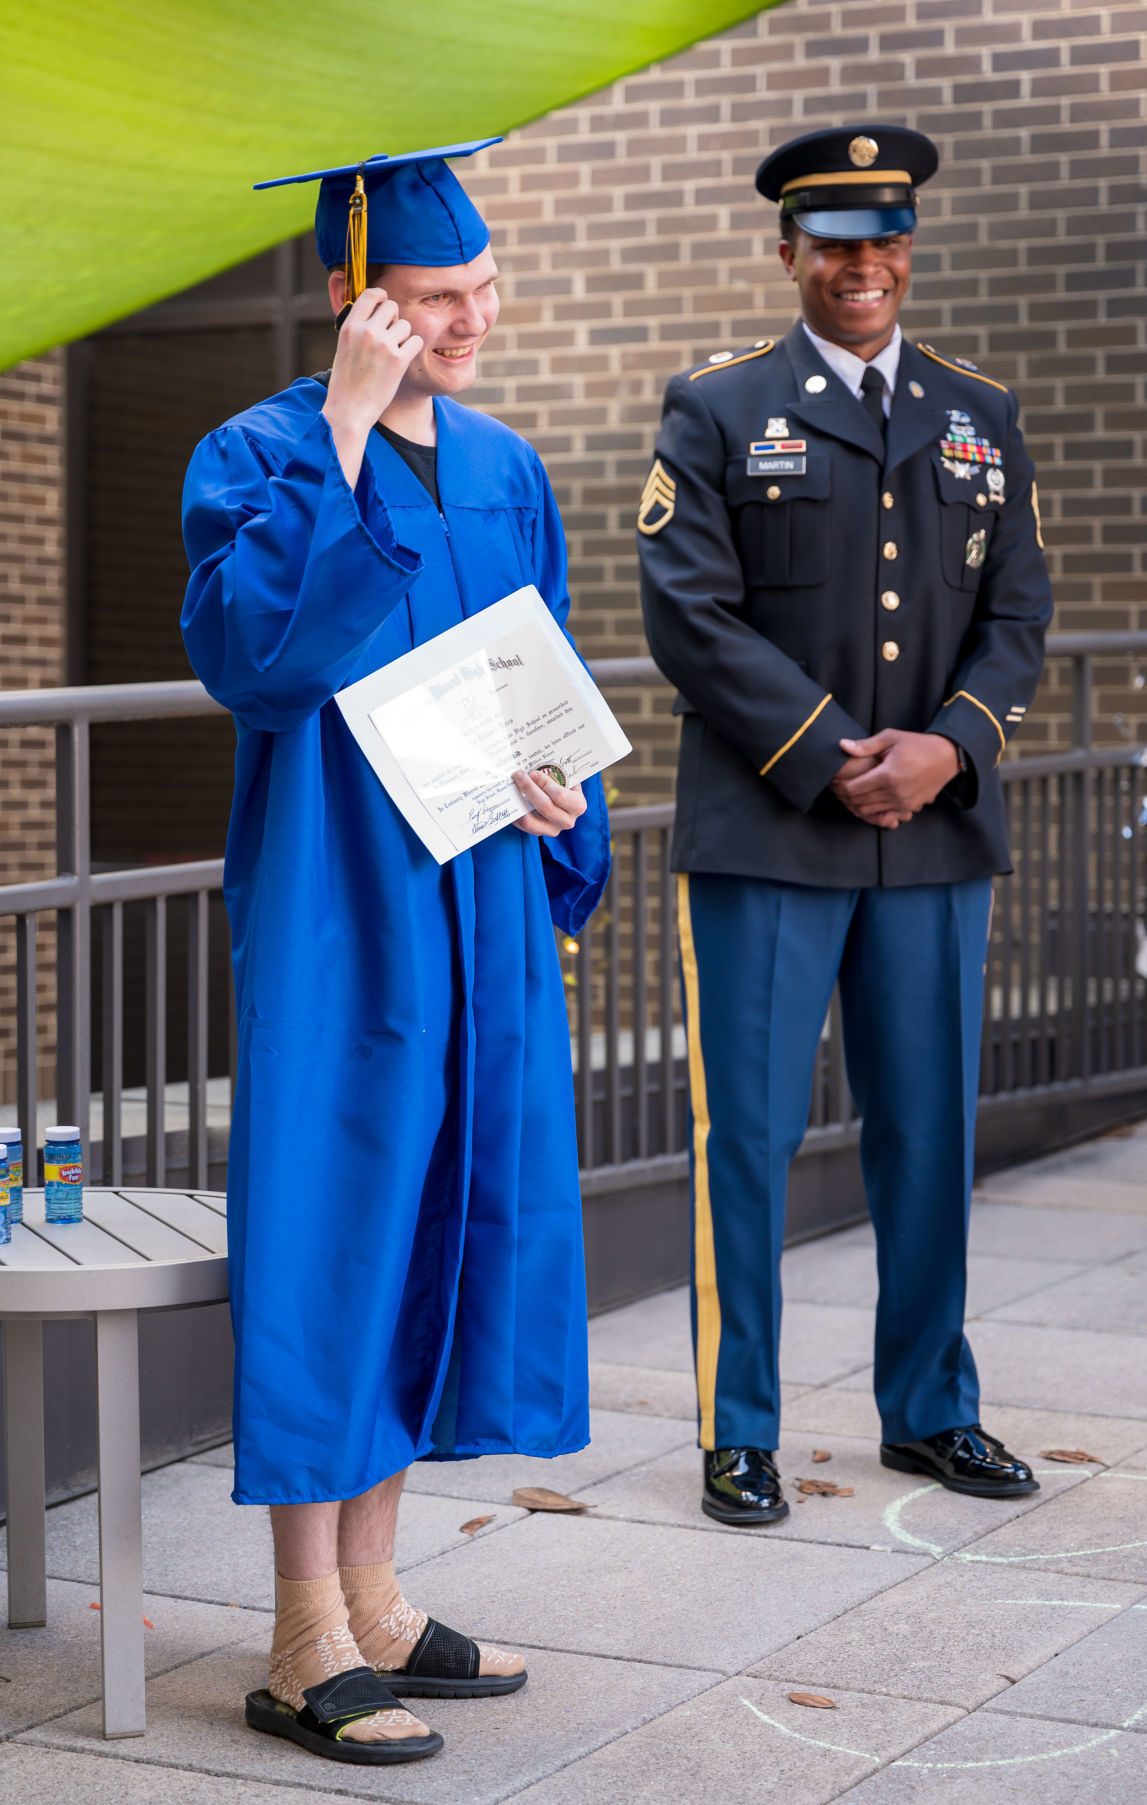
(965, 1460)
(742, 1486)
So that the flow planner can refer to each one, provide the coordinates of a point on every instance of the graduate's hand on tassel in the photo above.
(376, 347)
(553, 806)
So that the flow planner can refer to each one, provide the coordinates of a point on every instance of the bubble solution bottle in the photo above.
(63, 1175)
(5, 1229)
(13, 1138)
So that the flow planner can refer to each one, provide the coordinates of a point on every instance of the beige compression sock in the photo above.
(386, 1628)
(312, 1642)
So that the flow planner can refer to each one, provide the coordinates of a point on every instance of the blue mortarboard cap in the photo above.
(854, 181)
(417, 210)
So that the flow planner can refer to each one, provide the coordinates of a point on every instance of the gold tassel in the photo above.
(356, 243)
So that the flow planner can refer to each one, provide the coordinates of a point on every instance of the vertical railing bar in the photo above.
(1065, 1019)
(1134, 881)
(1099, 933)
(27, 1043)
(1026, 1076)
(611, 1021)
(73, 928)
(112, 1043)
(1081, 885)
(1008, 944)
(1043, 1074)
(197, 974)
(585, 1094)
(1120, 784)
(155, 1034)
(1082, 684)
(839, 1095)
(667, 973)
(640, 994)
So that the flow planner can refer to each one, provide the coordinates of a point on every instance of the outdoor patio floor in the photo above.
(974, 1651)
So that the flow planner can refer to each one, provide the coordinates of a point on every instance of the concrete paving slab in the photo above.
(887, 1510)
(646, 1391)
(654, 1332)
(571, 1705)
(40, 1776)
(749, 1729)
(988, 1759)
(819, 1343)
(198, 1544)
(620, 1589)
(819, 1273)
(1113, 1297)
(1038, 1368)
(46, 1671)
(1098, 1528)
(1067, 1190)
(1101, 1680)
(958, 1634)
(834, 1410)
(1088, 1237)
(619, 1440)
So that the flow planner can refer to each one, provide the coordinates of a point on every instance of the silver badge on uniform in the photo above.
(777, 428)
(995, 481)
(976, 549)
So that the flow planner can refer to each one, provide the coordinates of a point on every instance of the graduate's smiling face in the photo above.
(450, 309)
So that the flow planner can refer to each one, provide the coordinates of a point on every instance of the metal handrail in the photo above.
(1081, 781)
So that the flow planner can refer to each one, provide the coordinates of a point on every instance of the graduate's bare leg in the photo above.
(313, 1640)
(385, 1627)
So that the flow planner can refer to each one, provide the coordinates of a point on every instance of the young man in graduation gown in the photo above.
(842, 573)
(406, 1263)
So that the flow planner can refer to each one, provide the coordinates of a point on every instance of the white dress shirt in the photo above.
(851, 368)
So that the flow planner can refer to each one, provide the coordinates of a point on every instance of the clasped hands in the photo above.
(890, 777)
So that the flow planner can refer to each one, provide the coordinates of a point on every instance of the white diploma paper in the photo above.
(446, 726)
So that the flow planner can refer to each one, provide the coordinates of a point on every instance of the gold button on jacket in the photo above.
(890, 651)
(891, 549)
(887, 500)
(890, 600)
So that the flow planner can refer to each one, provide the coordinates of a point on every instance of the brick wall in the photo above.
(633, 243)
(32, 656)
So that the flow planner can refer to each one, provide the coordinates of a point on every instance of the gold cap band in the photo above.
(871, 178)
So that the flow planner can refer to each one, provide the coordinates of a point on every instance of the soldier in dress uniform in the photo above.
(842, 574)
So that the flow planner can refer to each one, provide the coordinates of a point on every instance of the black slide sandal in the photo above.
(444, 1664)
(330, 1707)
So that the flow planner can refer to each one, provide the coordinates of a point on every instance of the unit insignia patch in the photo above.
(658, 500)
(777, 428)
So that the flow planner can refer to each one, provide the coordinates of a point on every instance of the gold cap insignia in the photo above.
(659, 493)
(863, 152)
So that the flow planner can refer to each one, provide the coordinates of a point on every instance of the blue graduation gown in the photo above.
(407, 1274)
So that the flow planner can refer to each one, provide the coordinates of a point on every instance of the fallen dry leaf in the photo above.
(474, 1525)
(538, 1497)
(148, 1624)
(824, 1488)
(820, 1454)
(813, 1699)
(1075, 1457)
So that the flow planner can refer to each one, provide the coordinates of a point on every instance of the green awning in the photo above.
(132, 132)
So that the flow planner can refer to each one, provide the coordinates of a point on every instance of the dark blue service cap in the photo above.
(856, 181)
(417, 210)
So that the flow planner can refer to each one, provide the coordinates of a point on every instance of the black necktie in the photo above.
(872, 398)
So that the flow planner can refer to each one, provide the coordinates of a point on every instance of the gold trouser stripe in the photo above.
(984, 709)
(789, 744)
(1038, 522)
(960, 370)
(704, 1255)
(746, 357)
(872, 178)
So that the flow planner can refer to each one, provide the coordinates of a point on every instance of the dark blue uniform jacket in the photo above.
(798, 597)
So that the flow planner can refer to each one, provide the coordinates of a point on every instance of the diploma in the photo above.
(445, 727)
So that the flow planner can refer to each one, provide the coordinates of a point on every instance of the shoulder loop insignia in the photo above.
(658, 500)
(727, 361)
(963, 368)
